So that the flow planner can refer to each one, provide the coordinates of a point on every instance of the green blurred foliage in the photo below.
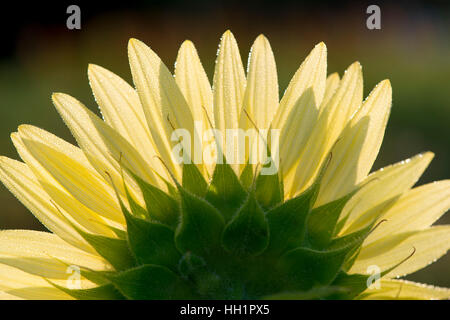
(412, 49)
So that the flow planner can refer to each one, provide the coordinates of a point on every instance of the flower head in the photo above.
(159, 201)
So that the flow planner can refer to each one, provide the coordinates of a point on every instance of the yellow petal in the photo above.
(260, 99)
(7, 296)
(27, 286)
(78, 213)
(80, 181)
(382, 185)
(228, 87)
(45, 254)
(331, 86)
(20, 180)
(334, 117)
(104, 147)
(377, 106)
(416, 209)
(164, 105)
(429, 244)
(405, 290)
(122, 110)
(194, 84)
(358, 145)
(261, 94)
(299, 107)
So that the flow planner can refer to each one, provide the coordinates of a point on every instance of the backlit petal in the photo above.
(382, 185)
(299, 107)
(429, 245)
(358, 145)
(405, 290)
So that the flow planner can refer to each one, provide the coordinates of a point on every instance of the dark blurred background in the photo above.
(40, 55)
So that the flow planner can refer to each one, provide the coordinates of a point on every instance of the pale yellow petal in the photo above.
(45, 254)
(164, 105)
(260, 99)
(7, 296)
(416, 209)
(358, 145)
(228, 88)
(104, 147)
(194, 84)
(122, 110)
(80, 214)
(261, 94)
(311, 74)
(229, 84)
(429, 245)
(299, 107)
(20, 180)
(405, 290)
(84, 184)
(331, 86)
(334, 117)
(27, 286)
(382, 185)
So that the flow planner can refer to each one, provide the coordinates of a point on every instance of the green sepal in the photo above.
(288, 221)
(103, 292)
(208, 284)
(269, 189)
(150, 282)
(307, 267)
(193, 180)
(322, 221)
(151, 242)
(136, 209)
(304, 268)
(115, 251)
(97, 277)
(246, 177)
(121, 234)
(200, 227)
(225, 191)
(190, 264)
(248, 232)
(355, 284)
(160, 206)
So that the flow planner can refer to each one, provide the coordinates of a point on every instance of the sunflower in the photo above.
(129, 221)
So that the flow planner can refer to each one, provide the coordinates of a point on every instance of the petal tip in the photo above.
(133, 43)
(93, 67)
(356, 64)
(386, 83)
(227, 36)
(427, 154)
(187, 43)
(321, 45)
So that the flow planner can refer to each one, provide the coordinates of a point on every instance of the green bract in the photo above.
(226, 240)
